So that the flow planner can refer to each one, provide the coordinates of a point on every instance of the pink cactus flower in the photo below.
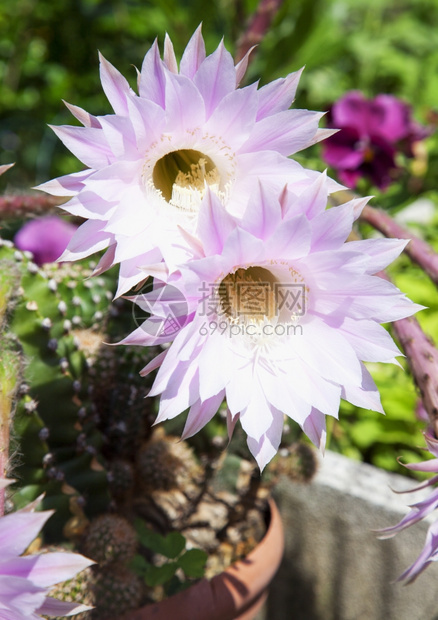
(280, 315)
(26, 580)
(418, 512)
(191, 127)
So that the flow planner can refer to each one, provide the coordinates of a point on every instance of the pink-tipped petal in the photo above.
(263, 214)
(215, 78)
(200, 414)
(194, 54)
(53, 607)
(179, 90)
(169, 55)
(242, 65)
(87, 119)
(152, 77)
(46, 569)
(18, 530)
(286, 132)
(315, 429)
(278, 95)
(267, 446)
(115, 86)
(87, 143)
(214, 223)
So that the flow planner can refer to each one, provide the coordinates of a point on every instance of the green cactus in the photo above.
(10, 371)
(57, 315)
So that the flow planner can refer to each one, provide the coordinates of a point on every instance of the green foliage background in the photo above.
(48, 52)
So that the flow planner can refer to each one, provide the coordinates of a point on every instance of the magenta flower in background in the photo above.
(148, 164)
(26, 580)
(372, 132)
(46, 237)
(281, 313)
(418, 512)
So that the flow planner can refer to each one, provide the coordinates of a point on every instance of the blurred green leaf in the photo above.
(139, 565)
(193, 562)
(158, 575)
(170, 546)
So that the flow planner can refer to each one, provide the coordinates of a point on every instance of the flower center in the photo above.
(249, 295)
(181, 176)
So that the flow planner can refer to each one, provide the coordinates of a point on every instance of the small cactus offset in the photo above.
(158, 467)
(110, 539)
(114, 591)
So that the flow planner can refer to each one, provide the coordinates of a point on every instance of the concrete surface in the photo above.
(334, 566)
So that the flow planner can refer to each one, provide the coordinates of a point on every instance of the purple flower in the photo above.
(372, 132)
(191, 126)
(46, 237)
(26, 580)
(418, 512)
(281, 313)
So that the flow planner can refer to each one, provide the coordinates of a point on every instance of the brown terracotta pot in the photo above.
(236, 594)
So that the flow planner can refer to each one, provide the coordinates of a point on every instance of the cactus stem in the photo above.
(422, 356)
(418, 250)
(9, 370)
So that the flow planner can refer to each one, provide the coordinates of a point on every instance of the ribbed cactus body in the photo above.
(56, 317)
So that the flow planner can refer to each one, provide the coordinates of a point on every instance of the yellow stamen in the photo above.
(181, 176)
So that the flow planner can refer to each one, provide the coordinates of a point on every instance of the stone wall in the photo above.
(334, 566)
